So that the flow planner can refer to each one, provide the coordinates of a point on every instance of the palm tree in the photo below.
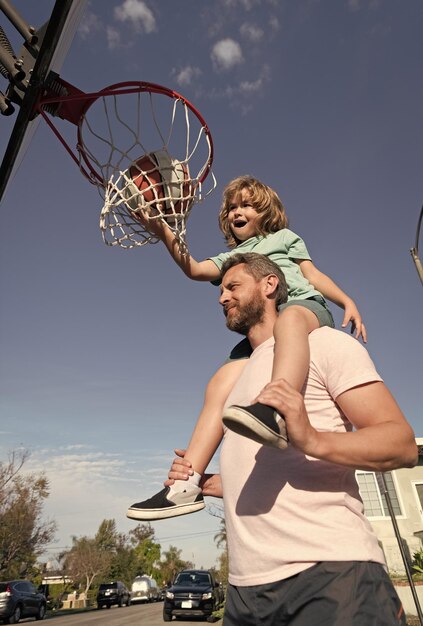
(220, 537)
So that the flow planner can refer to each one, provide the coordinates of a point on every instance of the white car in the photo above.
(144, 589)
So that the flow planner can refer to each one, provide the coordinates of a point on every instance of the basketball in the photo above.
(159, 184)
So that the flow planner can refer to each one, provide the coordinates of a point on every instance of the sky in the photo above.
(105, 353)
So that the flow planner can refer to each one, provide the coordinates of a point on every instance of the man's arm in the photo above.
(383, 439)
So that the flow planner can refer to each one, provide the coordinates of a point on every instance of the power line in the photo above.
(187, 536)
(170, 537)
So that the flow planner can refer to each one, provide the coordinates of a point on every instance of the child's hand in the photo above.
(352, 315)
(154, 225)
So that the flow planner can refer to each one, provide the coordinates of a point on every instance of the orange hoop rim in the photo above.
(75, 104)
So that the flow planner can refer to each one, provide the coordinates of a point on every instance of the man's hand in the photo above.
(290, 403)
(181, 469)
(382, 439)
(211, 485)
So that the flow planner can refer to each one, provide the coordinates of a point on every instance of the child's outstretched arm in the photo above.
(332, 292)
(196, 270)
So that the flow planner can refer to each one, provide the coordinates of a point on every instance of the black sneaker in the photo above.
(258, 422)
(162, 507)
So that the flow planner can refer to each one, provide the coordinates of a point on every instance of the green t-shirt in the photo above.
(282, 247)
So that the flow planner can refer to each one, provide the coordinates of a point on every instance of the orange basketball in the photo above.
(158, 183)
(146, 176)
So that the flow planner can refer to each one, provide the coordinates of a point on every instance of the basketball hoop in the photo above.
(146, 149)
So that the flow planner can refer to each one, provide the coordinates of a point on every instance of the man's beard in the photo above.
(249, 315)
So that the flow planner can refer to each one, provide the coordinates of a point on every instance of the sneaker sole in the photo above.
(245, 424)
(157, 514)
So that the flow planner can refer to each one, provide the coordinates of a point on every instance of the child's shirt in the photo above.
(282, 247)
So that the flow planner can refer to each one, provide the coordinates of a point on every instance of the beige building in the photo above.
(405, 488)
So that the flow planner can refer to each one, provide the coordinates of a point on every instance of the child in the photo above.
(252, 219)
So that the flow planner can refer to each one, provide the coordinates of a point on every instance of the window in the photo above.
(374, 502)
(419, 491)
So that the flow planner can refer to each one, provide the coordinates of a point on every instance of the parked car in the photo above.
(144, 589)
(193, 593)
(113, 593)
(20, 599)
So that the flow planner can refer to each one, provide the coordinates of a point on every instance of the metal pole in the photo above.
(415, 251)
(27, 31)
(384, 491)
(417, 263)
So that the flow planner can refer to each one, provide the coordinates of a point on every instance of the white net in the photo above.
(150, 154)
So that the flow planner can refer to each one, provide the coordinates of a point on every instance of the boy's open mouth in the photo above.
(240, 223)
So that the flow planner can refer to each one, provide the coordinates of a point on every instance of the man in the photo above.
(301, 552)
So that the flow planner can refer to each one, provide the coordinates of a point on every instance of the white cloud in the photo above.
(137, 12)
(274, 23)
(354, 5)
(226, 54)
(88, 485)
(246, 4)
(254, 86)
(187, 74)
(244, 95)
(251, 32)
(89, 24)
(113, 38)
(357, 5)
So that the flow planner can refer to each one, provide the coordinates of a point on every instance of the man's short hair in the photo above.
(259, 266)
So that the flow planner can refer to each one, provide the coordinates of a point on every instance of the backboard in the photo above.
(43, 50)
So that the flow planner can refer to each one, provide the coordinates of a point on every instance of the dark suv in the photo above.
(194, 592)
(113, 593)
(20, 599)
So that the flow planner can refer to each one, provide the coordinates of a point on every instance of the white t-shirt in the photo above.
(286, 511)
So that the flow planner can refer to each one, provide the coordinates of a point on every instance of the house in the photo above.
(405, 489)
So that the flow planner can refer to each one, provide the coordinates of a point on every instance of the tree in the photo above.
(140, 532)
(106, 536)
(220, 537)
(111, 555)
(147, 553)
(85, 562)
(23, 533)
(221, 542)
(172, 564)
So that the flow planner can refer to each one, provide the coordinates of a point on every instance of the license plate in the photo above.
(186, 605)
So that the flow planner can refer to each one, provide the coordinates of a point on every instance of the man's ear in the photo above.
(271, 283)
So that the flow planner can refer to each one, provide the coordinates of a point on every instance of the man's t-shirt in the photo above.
(284, 510)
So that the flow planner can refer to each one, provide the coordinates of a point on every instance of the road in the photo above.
(145, 615)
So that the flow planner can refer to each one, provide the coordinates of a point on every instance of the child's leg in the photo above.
(292, 351)
(185, 496)
(291, 362)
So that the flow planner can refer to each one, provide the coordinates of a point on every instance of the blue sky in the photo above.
(105, 353)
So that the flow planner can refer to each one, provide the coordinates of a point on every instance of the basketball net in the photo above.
(131, 132)
(173, 199)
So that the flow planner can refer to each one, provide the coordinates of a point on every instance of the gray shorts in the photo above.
(317, 304)
(331, 593)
